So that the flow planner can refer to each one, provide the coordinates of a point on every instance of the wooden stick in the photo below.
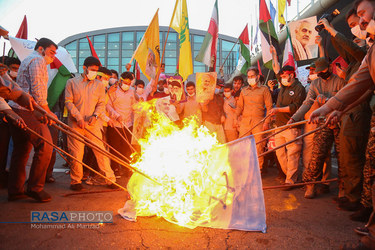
(105, 143)
(91, 192)
(289, 142)
(100, 150)
(66, 160)
(281, 127)
(125, 139)
(256, 125)
(3, 54)
(265, 139)
(269, 32)
(71, 156)
(77, 136)
(135, 138)
(300, 184)
(122, 126)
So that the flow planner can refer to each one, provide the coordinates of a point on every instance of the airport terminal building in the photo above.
(115, 48)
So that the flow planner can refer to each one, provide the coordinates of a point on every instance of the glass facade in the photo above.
(115, 49)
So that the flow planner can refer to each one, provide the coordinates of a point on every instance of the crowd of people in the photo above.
(99, 104)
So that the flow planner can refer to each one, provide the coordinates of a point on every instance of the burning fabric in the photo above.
(197, 181)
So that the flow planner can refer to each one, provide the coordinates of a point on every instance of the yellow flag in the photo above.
(281, 6)
(147, 53)
(180, 23)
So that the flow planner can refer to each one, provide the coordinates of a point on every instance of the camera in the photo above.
(329, 18)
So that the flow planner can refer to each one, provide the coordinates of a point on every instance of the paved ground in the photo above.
(293, 223)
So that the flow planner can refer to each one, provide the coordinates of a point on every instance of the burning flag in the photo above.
(198, 182)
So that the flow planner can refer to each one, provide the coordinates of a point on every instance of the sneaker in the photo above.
(362, 214)
(76, 187)
(50, 179)
(16, 197)
(41, 196)
(112, 186)
(362, 231)
(95, 181)
(310, 191)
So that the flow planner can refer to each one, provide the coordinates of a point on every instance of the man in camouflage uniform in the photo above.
(320, 90)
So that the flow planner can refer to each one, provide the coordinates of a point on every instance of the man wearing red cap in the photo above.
(290, 98)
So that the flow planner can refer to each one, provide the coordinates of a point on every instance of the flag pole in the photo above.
(269, 32)
(3, 53)
(131, 60)
(72, 157)
(289, 142)
(222, 65)
(166, 38)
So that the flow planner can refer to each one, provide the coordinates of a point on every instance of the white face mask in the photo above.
(252, 81)
(371, 27)
(312, 77)
(217, 91)
(91, 74)
(166, 91)
(112, 81)
(13, 73)
(361, 34)
(285, 82)
(191, 95)
(140, 91)
(105, 83)
(227, 94)
(125, 87)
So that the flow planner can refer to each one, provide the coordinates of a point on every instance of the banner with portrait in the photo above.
(303, 36)
(206, 84)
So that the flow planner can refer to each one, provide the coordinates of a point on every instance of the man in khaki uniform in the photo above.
(254, 103)
(85, 101)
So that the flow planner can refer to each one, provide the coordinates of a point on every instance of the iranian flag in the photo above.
(288, 58)
(58, 71)
(244, 60)
(207, 53)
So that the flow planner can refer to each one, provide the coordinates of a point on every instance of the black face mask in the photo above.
(325, 75)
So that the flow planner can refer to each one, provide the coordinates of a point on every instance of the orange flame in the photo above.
(191, 166)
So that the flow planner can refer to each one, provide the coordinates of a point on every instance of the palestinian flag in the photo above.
(207, 53)
(58, 75)
(267, 32)
(58, 71)
(244, 60)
